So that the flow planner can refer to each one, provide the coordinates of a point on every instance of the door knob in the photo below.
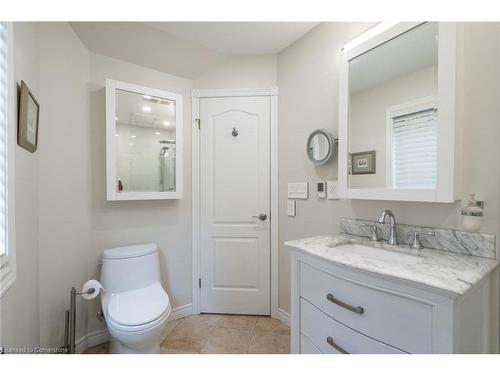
(261, 217)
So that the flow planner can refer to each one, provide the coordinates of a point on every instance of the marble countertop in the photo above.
(443, 270)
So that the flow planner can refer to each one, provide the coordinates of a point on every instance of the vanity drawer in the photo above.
(398, 321)
(307, 347)
(330, 336)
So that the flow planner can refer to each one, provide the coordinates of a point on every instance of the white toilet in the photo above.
(135, 306)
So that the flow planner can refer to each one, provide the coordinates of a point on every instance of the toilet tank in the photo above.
(130, 267)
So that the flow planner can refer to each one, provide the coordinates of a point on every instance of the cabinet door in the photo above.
(332, 337)
(396, 320)
(307, 347)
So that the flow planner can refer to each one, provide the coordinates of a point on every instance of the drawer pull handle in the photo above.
(358, 309)
(332, 343)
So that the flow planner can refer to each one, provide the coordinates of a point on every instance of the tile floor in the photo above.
(221, 334)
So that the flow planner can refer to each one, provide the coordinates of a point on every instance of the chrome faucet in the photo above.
(393, 239)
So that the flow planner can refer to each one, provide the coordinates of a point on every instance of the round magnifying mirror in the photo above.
(320, 146)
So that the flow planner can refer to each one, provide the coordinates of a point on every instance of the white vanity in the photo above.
(354, 296)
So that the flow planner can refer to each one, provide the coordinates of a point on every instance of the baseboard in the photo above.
(284, 317)
(91, 339)
(96, 338)
(181, 312)
(102, 336)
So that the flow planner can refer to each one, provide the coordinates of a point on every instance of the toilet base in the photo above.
(117, 347)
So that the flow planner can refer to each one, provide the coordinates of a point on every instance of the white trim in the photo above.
(91, 339)
(447, 190)
(195, 203)
(218, 93)
(111, 152)
(284, 317)
(447, 171)
(181, 312)
(274, 207)
(272, 92)
(8, 261)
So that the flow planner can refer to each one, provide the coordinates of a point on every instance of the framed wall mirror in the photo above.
(143, 142)
(320, 146)
(397, 115)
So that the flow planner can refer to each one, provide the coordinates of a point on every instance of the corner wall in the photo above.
(64, 178)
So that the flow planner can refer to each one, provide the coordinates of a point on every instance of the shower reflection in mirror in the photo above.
(145, 140)
(167, 165)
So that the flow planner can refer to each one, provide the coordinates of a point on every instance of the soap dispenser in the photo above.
(472, 215)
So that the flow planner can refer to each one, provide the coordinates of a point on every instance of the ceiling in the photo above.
(140, 44)
(239, 38)
(187, 49)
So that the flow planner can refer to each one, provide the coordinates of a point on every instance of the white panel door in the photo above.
(235, 186)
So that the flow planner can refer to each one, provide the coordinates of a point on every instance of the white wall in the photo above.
(166, 222)
(241, 72)
(308, 82)
(20, 322)
(64, 177)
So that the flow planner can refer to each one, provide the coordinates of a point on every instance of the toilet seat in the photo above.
(139, 309)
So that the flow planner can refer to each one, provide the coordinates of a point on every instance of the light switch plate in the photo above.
(298, 190)
(290, 207)
(332, 189)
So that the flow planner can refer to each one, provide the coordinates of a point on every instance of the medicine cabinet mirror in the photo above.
(397, 115)
(320, 146)
(143, 142)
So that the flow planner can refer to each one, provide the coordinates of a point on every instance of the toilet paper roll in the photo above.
(91, 284)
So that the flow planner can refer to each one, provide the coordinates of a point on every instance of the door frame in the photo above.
(196, 95)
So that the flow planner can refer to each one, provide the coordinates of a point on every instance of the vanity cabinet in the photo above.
(340, 309)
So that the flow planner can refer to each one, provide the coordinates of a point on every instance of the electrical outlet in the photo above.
(332, 189)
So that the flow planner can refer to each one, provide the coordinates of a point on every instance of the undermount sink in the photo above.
(383, 253)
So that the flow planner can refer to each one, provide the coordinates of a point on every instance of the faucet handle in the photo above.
(415, 244)
(374, 235)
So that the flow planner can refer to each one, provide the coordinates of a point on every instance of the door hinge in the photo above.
(198, 122)
(199, 283)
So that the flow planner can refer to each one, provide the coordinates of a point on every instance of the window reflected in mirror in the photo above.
(393, 113)
(145, 143)
(319, 146)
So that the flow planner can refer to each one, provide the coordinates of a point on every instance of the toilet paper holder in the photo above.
(70, 319)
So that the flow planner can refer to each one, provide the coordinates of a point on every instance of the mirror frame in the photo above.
(111, 152)
(449, 130)
(331, 146)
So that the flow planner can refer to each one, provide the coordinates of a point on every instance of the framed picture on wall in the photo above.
(363, 162)
(29, 113)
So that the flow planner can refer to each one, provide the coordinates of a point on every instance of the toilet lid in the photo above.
(139, 306)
